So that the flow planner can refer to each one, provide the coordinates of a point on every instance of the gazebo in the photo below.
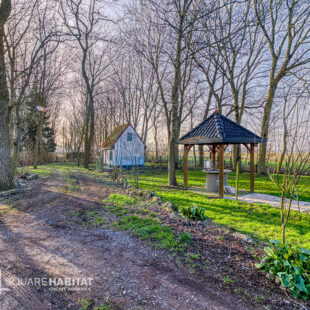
(217, 132)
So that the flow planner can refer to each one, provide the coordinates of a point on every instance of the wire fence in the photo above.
(193, 162)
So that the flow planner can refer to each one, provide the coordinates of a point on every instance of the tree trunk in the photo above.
(262, 166)
(37, 141)
(89, 135)
(283, 233)
(200, 147)
(237, 180)
(79, 147)
(171, 163)
(86, 126)
(90, 113)
(18, 140)
(174, 129)
(6, 174)
(78, 154)
(237, 157)
(234, 156)
(285, 135)
(201, 156)
(156, 144)
(177, 154)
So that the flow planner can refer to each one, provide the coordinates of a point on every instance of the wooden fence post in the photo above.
(252, 167)
(221, 168)
(185, 164)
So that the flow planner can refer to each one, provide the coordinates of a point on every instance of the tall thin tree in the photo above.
(6, 173)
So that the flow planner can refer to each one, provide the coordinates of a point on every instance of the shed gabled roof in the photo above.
(218, 129)
(114, 136)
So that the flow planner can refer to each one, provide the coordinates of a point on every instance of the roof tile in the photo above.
(114, 136)
(219, 129)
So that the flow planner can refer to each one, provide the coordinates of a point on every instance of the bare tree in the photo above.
(229, 47)
(6, 179)
(286, 29)
(30, 29)
(216, 85)
(171, 60)
(47, 77)
(294, 157)
(82, 21)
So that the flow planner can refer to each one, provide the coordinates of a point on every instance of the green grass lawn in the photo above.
(260, 221)
(44, 171)
(263, 184)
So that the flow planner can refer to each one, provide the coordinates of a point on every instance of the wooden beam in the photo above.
(221, 170)
(252, 167)
(187, 147)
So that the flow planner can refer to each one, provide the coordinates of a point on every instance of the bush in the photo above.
(194, 212)
(290, 266)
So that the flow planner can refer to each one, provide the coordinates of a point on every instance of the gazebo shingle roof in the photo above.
(218, 129)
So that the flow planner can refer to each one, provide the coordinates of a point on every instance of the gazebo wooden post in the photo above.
(221, 170)
(213, 156)
(185, 164)
(252, 167)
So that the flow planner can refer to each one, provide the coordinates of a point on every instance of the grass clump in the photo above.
(196, 256)
(72, 183)
(94, 218)
(151, 228)
(88, 304)
(228, 280)
(43, 172)
(118, 210)
(98, 220)
(120, 200)
(85, 303)
(107, 306)
(185, 238)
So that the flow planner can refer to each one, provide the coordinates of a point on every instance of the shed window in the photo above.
(111, 155)
(129, 136)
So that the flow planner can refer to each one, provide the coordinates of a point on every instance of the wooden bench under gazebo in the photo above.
(217, 132)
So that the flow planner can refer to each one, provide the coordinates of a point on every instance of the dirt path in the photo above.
(38, 239)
